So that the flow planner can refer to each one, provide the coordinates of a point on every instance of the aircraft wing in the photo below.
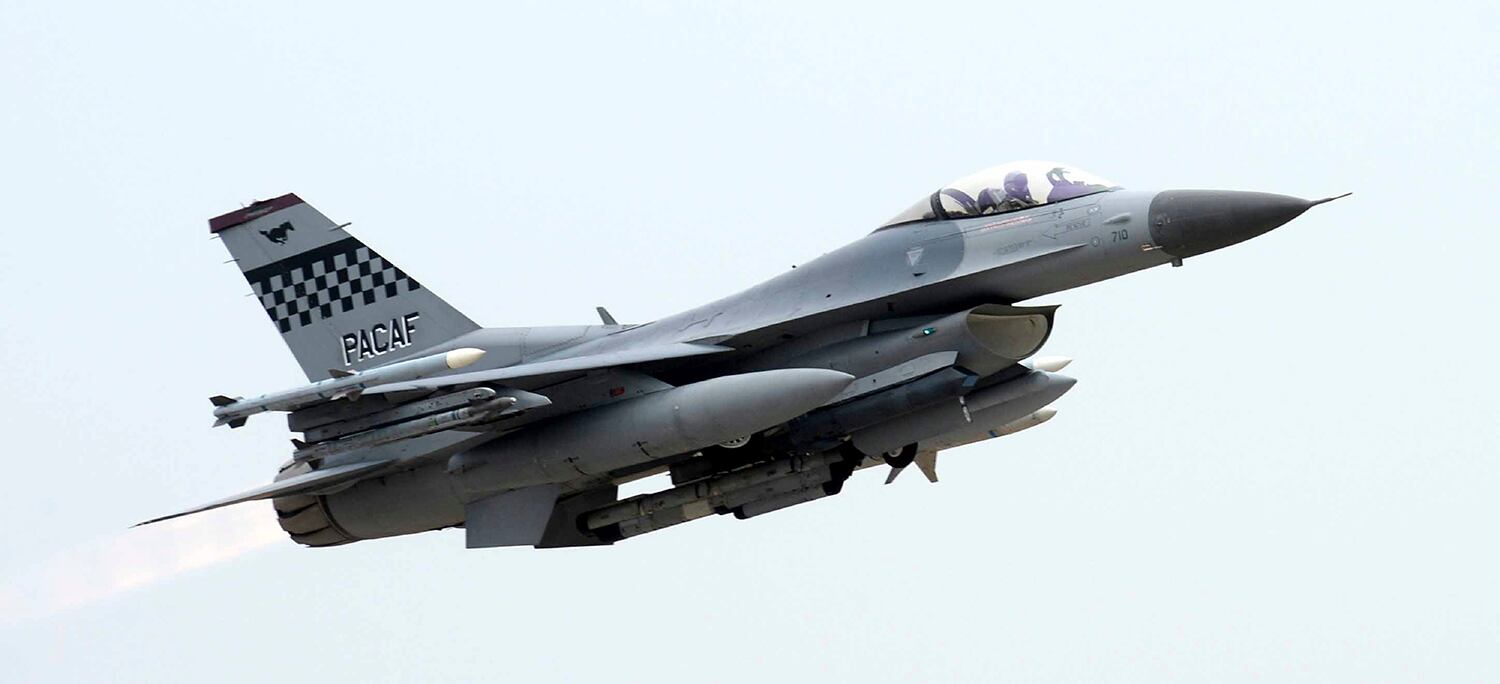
(300, 484)
(623, 357)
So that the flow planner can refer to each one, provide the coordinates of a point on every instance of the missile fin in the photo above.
(340, 373)
(221, 400)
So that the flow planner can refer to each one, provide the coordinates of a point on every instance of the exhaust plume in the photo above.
(132, 559)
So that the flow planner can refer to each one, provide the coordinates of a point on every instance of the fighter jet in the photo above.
(884, 352)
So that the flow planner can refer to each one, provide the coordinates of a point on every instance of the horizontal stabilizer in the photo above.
(568, 365)
(305, 483)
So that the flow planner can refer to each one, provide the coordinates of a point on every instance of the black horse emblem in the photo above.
(278, 234)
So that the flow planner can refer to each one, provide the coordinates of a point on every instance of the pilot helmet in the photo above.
(1017, 186)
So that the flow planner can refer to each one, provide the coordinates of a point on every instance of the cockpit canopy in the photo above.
(999, 189)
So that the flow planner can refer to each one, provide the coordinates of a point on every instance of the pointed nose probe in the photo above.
(1187, 223)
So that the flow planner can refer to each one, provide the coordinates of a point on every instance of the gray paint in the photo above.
(514, 518)
(744, 361)
(314, 333)
(1191, 222)
(1005, 402)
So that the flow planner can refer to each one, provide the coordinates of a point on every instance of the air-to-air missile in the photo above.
(344, 384)
(999, 404)
(324, 428)
(479, 412)
(986, 426)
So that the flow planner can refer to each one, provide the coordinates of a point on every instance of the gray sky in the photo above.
(1277, 464)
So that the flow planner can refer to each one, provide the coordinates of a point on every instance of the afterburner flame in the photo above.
(134, 558)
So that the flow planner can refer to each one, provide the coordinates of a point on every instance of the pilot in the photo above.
(1063, 189)
(1017, 195)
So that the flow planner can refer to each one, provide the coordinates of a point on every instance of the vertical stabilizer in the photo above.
(337, 303)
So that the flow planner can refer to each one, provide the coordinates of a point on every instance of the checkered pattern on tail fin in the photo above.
(334, 278)
(337, 303)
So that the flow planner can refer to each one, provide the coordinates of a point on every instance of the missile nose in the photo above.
(1051, 364)
(459, 358)
(1187, 223)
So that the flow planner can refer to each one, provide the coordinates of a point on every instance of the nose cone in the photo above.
(1187, 223)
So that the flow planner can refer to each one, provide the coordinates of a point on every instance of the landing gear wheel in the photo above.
(900, 458)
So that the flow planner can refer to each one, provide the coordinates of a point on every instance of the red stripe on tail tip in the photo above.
(255, 210)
